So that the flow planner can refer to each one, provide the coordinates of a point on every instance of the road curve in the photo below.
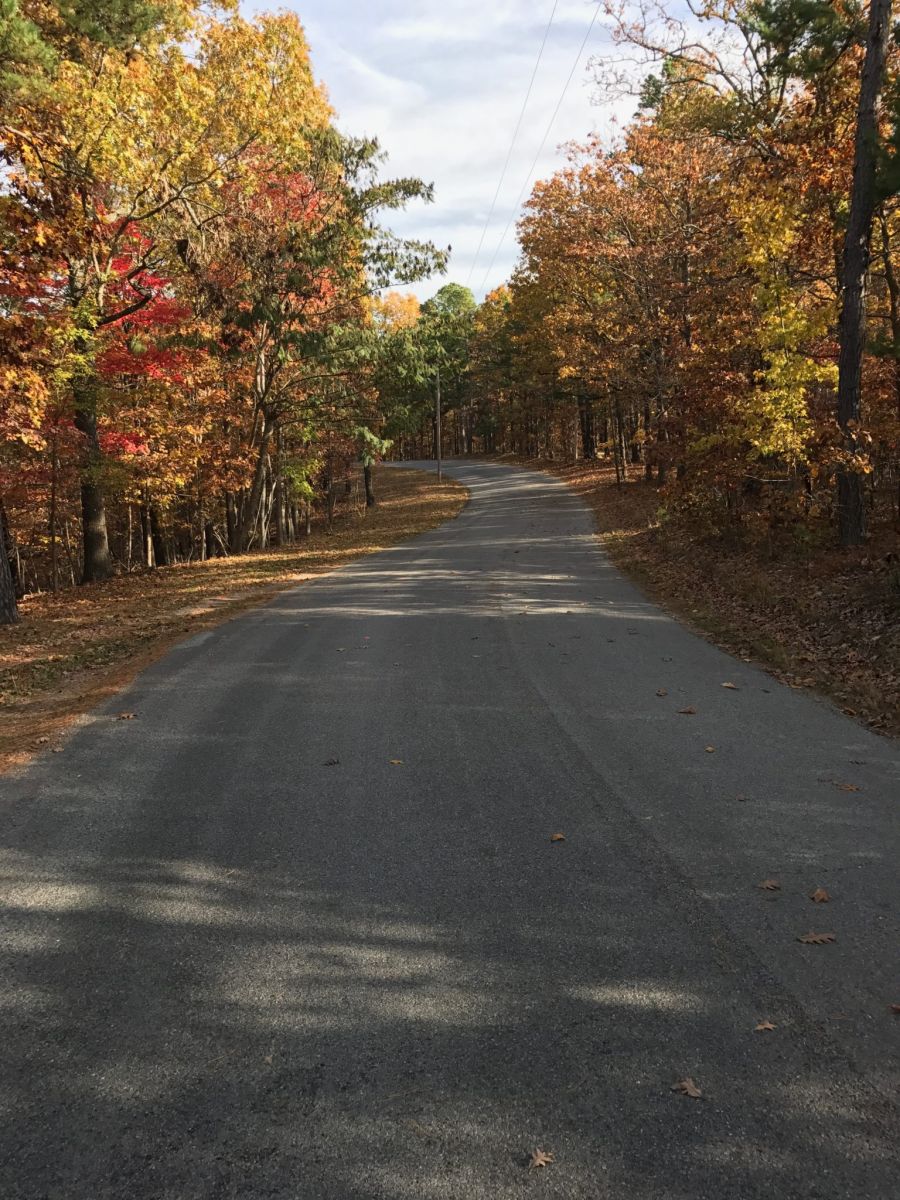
(299, 930)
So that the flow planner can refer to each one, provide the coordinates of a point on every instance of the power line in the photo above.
(512, 144)
(540, 149)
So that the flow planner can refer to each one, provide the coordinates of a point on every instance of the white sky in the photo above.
(440, 83)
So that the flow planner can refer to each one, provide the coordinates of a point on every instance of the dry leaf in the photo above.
(765, 1027)
(848, 787)
(817, 939)
(770, 885)
(710, 749)
(396, 762)
(687, 1087)
(661, 692)
(733, 687)
(419, 1130)
(557, 837)
(126, 716)
(690, 711)
(819, 896)
(539, 1158)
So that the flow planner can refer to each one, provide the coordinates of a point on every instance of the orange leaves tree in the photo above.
(687, 283)
(187, 246)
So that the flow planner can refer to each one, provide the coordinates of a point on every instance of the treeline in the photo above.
(691, 302)
(189, 255)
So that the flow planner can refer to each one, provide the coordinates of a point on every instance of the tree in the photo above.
(124, 140)
(851, 507)
(8, 609)
(371, 449)
(767, 67)
(445, 328)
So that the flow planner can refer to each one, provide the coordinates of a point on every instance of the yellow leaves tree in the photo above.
(127, 151)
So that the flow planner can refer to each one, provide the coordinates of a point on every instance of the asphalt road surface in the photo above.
(247, 954)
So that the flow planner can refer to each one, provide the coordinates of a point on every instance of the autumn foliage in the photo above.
(677, 301)
(188, 251)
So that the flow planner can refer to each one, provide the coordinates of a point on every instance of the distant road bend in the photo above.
(299, 930)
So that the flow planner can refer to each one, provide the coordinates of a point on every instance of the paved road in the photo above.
(233, 970)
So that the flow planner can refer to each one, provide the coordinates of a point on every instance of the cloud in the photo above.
(442, 88)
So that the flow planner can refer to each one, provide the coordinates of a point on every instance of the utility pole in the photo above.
(437, 424)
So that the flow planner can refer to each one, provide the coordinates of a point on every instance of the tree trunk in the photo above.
(851, 509)
(894, 294)
(97, 559)
(9, 612)
(146, 536)
(280, 514)
(586, 421)
(54, 539)
(231, 522)
(160, 549)
(247, 525)
(370, 491)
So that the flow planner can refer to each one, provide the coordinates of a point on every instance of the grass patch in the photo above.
(72, 650)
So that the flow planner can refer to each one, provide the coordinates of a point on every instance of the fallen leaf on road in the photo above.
(848, 787)
(710, 749)
(819, 896)
(332, 762)
(765, 1027)
(418, 1129)
(895, 1009)
(396, 762)
(557, 837)
(733, 687)
(817, 939)
(770, 885)
(540, 1158)
(126, 716)
(687, 1087)
(661, 692)
(688, 712)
